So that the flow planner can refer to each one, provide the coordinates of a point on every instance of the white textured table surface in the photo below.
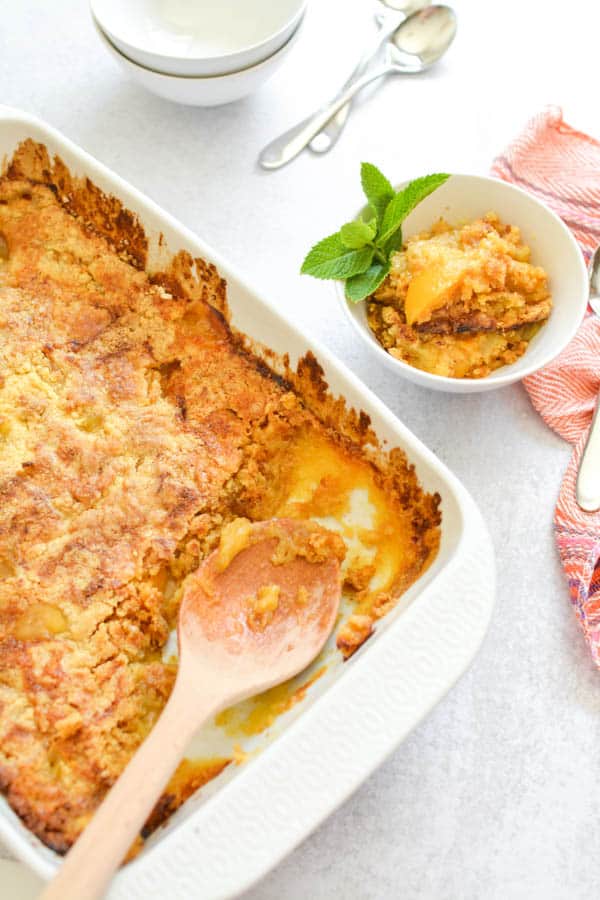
(497, 794)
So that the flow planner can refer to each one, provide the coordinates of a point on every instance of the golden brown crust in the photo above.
(353, 634)
(133, 425)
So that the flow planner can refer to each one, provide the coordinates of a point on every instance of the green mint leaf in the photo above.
(370, 217)
(360, 252)
(330, 258)
(405, 201)
(377, 189)
(364, 284)
(394, 243)
(357, 234)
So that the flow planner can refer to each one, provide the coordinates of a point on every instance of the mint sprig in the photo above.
(357, 234)
(332, 258)
(360, 252)
(376, 188)
(366, 283)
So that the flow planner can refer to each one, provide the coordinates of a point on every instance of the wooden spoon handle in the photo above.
(89, 865)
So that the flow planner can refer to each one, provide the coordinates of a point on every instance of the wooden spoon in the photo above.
(245, 624)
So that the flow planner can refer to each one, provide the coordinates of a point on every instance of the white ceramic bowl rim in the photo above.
(204, 78)
(225, 58)
(505, 374)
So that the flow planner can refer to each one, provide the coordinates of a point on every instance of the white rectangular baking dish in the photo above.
(229, 835)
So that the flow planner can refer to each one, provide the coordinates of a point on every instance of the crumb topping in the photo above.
(262, 607)
(136, 437)
(461, 301)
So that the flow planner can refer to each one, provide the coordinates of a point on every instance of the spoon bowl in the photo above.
(587, 487)
(413, 47)
(220, 631)
(255, 613)
(425, 36)
(594, 273)
(392, 14)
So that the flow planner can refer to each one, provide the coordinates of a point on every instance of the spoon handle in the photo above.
(328, 136)
(90, 864)
(289, 144)
(588, 478)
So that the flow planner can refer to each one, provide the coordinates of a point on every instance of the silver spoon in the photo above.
(587, 490)
(393, 13)
(415, 46)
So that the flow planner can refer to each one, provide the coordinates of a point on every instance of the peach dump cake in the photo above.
(461, 301)
(135, 426)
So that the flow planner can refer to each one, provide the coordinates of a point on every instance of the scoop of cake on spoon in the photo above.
(256, 612)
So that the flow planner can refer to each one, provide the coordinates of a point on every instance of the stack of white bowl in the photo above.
(199, 52)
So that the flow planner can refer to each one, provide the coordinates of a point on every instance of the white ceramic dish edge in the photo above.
(278, 798)
(465, 197)
(212, 90)
(221, 64)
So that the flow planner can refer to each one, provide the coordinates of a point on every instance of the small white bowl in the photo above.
(215, 90)
(465, 197)
(188, 38)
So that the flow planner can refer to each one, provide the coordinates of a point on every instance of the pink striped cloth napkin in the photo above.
(561, 166)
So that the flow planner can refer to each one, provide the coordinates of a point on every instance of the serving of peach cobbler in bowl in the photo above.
(486, 287)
